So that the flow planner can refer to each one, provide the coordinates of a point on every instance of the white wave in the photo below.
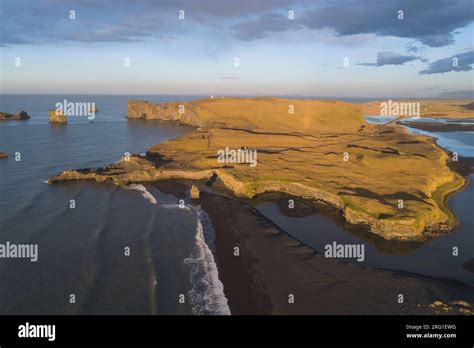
(175, 206)
(207, 294)
(147, 195)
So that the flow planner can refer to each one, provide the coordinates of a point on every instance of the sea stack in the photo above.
(21, 115)
(194, 192)
(57, 116)
(3, 155)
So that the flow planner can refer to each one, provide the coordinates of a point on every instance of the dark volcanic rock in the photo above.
(22, 115)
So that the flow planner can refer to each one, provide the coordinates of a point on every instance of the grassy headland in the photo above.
(382, 177)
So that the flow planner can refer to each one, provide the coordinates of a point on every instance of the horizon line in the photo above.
(234, 96)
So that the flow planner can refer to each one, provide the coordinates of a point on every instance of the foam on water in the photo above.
(147, 195)
(174, 206)
(207, 294)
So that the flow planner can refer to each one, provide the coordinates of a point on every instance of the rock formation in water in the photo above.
(21, 115)
(56, 116)
(194, 192)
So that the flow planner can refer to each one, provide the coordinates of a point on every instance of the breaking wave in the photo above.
(207, 293)
(147, 195)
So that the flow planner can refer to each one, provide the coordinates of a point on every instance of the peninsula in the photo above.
(391, 182)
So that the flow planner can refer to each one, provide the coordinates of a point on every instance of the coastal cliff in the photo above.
(379, 176)
(180, 112)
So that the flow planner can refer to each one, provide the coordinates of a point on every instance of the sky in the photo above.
(317, 48)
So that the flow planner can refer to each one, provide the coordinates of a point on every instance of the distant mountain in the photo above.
(457, 95)
(469, 106)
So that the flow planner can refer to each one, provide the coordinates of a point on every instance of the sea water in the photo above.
(121, 250)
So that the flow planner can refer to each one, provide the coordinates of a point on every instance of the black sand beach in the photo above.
(272, 265)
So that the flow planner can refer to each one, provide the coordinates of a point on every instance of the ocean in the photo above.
(82, 265)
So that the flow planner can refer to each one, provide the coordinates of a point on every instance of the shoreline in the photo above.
(439, 127)
(273, 264)
(236, 188)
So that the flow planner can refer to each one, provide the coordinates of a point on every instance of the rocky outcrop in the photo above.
(132, 170)
(56, 116)
(139, 169)
(21, 115)
(194, 192)
(3, 155)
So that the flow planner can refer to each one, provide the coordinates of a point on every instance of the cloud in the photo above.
(390, 58)
(464, 62)
(415, 49)
(431, 22)
(228, 9)
(259, 28)
(43, 21)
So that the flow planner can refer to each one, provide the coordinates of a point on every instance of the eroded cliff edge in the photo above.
(381, 177)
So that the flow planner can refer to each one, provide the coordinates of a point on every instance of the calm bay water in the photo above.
(434, 258)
